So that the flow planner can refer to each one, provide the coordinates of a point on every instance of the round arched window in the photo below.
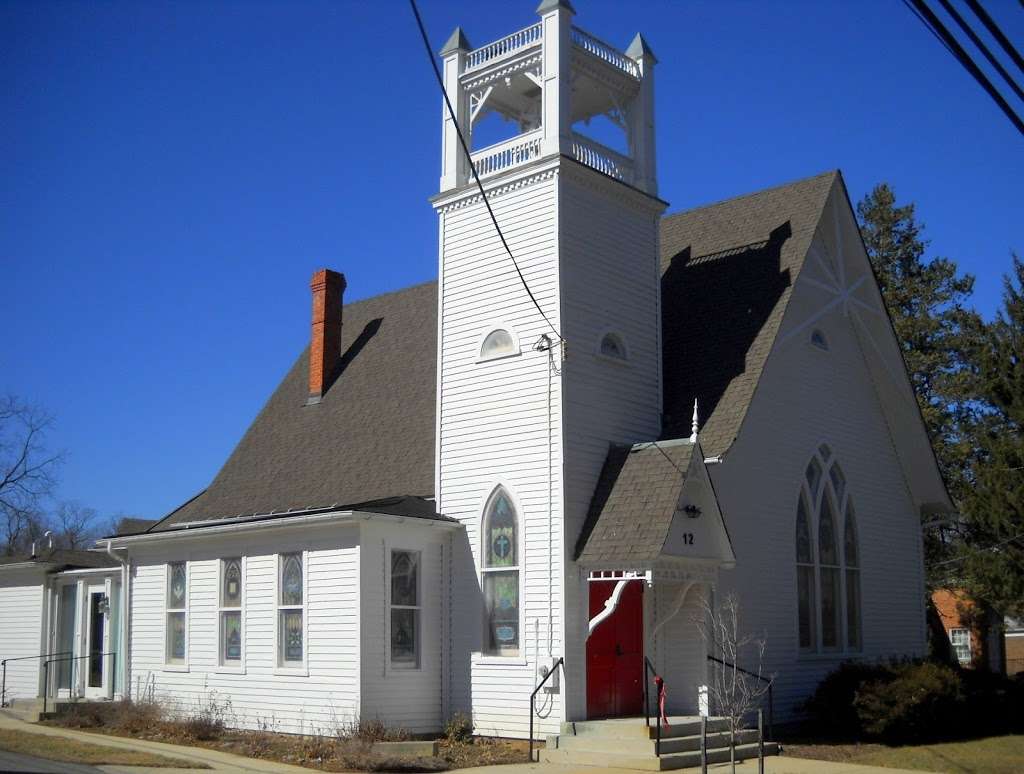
(498, 343)
(613, 346)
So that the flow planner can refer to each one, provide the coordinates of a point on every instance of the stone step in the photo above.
(640, 746)
(632, 728)
(668, 762)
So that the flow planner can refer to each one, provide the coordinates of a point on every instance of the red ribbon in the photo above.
(661, 700)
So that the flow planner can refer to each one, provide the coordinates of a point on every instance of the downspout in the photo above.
(126, 579)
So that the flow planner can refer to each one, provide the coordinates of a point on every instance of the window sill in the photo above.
(229, 670)
(175, 668)
(619, 361)
(489, 660)
(829, 655)
(296, 671)
(492, 358)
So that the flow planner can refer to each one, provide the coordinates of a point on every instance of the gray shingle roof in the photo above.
(370, 437)
(633, 505)
(64, 558)
(727, 274)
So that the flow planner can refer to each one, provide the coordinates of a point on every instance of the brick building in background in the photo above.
(974, 629)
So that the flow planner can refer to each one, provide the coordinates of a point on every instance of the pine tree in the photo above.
(993, 554)
(937, 332)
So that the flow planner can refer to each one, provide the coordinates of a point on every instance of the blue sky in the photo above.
(172, 173)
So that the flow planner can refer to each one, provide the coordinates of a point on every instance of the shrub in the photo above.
(832, 705)
(914, 702)
(459, 728)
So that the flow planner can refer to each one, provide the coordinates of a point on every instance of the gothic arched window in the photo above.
(827, 559)
(500, 571)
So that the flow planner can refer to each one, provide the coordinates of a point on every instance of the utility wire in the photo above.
(967, 62)
(996, 33)
(982, 47)
(924, 21)
(472, 166)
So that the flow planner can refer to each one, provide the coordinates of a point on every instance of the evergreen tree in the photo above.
(937, 332)
(993, 554)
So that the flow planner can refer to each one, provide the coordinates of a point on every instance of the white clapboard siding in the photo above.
(679, 654)
(263, 696)
(610, 283)
(495, 425)
(807, 396)
(402, 697)
(21, 622)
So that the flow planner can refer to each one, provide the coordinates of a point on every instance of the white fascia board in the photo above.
(275, 523)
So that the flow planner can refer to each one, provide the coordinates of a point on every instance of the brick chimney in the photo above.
(325, 344)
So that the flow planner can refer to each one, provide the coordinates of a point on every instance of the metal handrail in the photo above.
(762, 678)
(46, 669)
(3, 680)
(533, 697)
(649, 668)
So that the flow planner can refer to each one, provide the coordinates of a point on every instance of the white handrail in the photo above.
(510, 153)
(506, 45)
(602, 50)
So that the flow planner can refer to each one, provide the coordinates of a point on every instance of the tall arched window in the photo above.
(827, 559)
(500, 570)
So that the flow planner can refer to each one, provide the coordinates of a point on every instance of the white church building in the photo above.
(460, 484)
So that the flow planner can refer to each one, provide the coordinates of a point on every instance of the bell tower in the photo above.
(540, 368)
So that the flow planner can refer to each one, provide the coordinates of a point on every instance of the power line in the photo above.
(472, 166)
(982, 47)
(924, 21)
(967, 62)
(996, 33)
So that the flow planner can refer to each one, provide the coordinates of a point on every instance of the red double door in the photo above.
(615, 652)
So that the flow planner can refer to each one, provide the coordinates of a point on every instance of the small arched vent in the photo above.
(613, 346)
(818, 339)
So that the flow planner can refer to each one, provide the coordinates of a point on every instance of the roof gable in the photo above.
(727, 276)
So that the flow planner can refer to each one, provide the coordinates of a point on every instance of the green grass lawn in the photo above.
(992, 755)
(56, 748)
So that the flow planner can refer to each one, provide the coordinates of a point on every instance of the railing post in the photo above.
(771, 712)
(760, 741)
(703, 744)
(46, 683)
(3, 690)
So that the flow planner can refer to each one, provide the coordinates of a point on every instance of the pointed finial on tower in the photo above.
(693, 424)
(639, 49)
(551, 5)
(456, 42)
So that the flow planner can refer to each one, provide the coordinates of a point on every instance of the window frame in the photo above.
(967, 643)
(840, 499)
(282, 666)
(223, 664)
(417, 663)
(497, 656)
(180, 665)
(491, 328)
(599, 348)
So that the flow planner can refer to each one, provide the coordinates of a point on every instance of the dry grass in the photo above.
(56, 748)
(349, 748)
(992, 755)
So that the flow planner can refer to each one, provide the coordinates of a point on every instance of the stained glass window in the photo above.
(405, 608)
(177, 586)
(231, 594)
(231, 635)
(291, 631)
(499, 342)
(827, 559)
(176, 645)
(501, 575)
(291, 579)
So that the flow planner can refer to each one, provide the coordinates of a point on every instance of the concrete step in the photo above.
(680, 760)
(639, 746)
(632, 728)
(28, 710)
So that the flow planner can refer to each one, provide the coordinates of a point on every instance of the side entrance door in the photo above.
(97, 635)
(615, 653)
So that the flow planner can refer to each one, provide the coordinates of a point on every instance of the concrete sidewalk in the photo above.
(772, 765)
(217, 761)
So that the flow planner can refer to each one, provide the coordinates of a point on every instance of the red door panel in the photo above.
(615, 654)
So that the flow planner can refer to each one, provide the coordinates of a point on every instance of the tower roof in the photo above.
(639, 48)
(457, 41)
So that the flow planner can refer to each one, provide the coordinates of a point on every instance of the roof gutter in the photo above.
(288, 522)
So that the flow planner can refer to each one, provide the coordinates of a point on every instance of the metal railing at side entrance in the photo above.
(659, 709)
(560, 664)
(3, 665)
(112, 655)
(762, 678)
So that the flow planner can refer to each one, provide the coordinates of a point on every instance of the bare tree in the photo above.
(738, 684)
(75, 525)
(27, 470)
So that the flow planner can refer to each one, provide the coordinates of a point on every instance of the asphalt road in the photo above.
(11, 763)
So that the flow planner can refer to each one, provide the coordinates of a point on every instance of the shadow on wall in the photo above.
(712, 309)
